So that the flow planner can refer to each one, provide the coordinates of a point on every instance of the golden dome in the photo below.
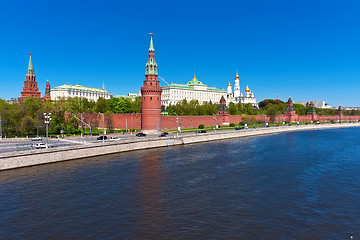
(194, 79)
(247, 89)
(237, 76)
(229, 84)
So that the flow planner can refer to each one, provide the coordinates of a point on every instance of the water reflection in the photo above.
(150, 196)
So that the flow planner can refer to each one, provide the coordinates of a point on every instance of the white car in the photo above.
(36, 139)
(40, 145)
(114, 138)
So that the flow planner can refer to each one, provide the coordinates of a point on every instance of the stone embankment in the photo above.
(51, 155)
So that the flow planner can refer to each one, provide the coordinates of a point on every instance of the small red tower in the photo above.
(222, 114)
(311, 111)
(290, 111)
(47, 91)
(151, 96)
(339, 113)
(30, 85)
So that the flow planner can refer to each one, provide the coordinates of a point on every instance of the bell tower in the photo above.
(151, 96)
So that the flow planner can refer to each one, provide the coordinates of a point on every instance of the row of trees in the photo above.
(26, 118)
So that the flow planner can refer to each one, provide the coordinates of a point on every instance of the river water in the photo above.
(297, 185)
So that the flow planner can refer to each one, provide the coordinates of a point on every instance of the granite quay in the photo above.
(45, 156)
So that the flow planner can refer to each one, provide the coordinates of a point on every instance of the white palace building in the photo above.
(193, 90)
(65, 91)
(196, 90)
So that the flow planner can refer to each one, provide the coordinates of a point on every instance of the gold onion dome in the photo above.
(237, 75)
(247, 89)
(229, 84)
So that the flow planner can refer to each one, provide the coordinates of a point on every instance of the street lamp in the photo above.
(82, 121)
(177, 124)
(215, 122)
(47, 117)
(0, 129)
(103, 139)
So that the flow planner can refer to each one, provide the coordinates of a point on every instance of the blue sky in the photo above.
(308, 50)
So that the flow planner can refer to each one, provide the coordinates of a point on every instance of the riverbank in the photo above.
(44, 156)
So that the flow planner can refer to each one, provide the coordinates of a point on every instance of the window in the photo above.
(150, 98)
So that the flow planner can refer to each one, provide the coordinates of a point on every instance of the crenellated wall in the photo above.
(123, 121)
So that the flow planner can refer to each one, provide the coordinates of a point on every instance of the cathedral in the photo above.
(237, 96)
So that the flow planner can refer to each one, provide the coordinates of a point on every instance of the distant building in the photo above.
(237, 96)
(130, 95)
(65, 91)
(317, 104)
(193, 90)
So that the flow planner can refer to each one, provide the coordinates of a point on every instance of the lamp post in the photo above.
(103, 138)
(131, 123)
(81, 125)
(82, 121)
(0, 129)
(47, 117)
(177, 124)
(215, 122)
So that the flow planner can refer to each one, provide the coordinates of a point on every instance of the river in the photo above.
(296, 185)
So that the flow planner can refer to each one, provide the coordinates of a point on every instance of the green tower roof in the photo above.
(151, 43)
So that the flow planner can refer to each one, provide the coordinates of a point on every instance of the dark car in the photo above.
(140, 134)
(202, 131)
(162, 135)
(239, 128)
(101, 138)
(166, 133)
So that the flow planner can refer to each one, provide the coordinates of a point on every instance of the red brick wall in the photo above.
(122, 121)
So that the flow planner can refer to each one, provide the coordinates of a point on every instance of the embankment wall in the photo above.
(45, 156)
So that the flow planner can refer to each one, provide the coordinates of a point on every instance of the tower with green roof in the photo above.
(47, 91)
(151, 95)
(30, 85)
(311, 111)
(290, 111)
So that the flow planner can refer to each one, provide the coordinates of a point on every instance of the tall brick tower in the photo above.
(30, 85)
(151, 96)
(47, 91)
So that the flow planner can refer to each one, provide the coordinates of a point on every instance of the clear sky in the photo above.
(306, 49)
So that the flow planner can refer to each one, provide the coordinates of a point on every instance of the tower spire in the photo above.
(151, 42)
(103, 86)
(30, 70)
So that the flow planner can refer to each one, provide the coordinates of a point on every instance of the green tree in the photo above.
(100, 105)
(232, 109)
(31, 106)
(271, 112)
(300, 109)
(27, 125)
